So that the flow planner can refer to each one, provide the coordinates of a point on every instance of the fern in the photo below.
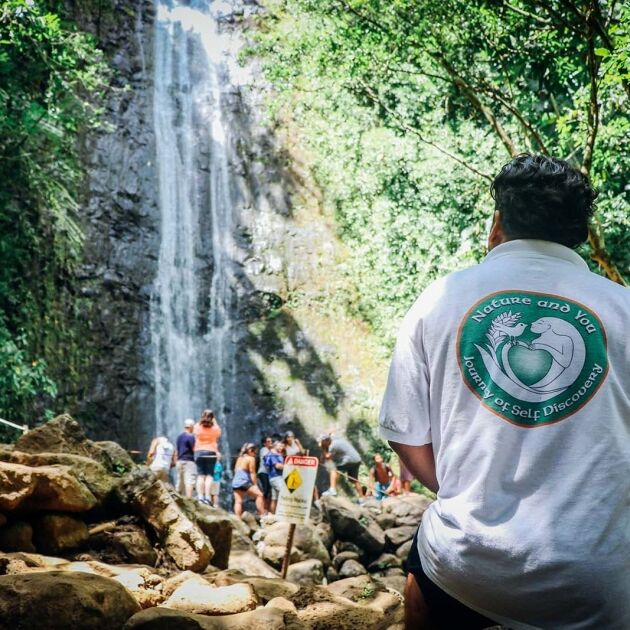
(496, 336)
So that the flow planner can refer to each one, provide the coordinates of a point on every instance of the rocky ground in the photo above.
(90, 540)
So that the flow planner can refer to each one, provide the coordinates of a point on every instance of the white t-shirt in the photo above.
(518, 372)
(163, 455)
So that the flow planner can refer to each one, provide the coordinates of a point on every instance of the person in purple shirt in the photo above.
(185, 466)
(274, 461)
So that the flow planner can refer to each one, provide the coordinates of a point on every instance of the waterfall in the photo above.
(192, 335)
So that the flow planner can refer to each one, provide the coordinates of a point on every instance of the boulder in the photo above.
(93, 475)
(341, 614)
(272, 540)
(58, 600)
(142, 585)
(182, 538)
(266, 588)
(250, 564)
(396, 583)
(344, 545)
(332, 574)
(264, 618)
(351, 568)
(42, 488)
(55, 533)
(383, 562)
(18, 536)
(403, 551)
(122, 541)
(199, 597)
(386, 520)
(218, 526)
(3, 519)
(350, 522)
(355, 588)
(407, 509)
(396, 536)
(340, 558)
(114, 456)
(306, 572)
(326, 534)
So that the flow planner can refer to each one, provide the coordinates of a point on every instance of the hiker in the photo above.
(263, 474)
(274, 462)
(244, 480)
(382, 478)
(160, 458)
(340, 457)
(207, 433)
(292, 445)
(185, 467)
(507, 395)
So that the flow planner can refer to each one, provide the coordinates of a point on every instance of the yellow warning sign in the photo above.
(293, 480)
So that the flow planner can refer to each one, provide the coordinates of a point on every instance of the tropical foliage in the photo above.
(48, 70)
(406, 108)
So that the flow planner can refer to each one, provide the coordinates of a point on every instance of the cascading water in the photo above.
(191, 330)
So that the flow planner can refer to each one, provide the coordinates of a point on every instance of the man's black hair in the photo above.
(543, 198)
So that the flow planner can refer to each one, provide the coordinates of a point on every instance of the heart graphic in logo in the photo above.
(529, 365)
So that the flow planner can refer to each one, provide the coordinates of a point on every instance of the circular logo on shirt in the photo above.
(531, 358)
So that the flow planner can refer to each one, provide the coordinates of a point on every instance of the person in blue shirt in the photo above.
(274, 462)
(185, 459)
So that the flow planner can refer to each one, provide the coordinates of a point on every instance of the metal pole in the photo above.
(287, 553)
(20, 427)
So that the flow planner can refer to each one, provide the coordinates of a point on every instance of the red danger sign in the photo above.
(296, 460)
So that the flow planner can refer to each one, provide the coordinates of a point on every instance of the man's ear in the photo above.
(496, 236)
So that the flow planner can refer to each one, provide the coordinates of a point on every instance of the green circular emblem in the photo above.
(531, 358)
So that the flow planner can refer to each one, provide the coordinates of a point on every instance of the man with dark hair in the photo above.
(508, 395)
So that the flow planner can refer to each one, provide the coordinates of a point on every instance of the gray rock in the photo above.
(17, 536)
(340, 558)
(306, 572)
(384, 561)
(351, 568)
(403, 551)
(58, 600)
(352, 523)
(396, 536)
(56, 533)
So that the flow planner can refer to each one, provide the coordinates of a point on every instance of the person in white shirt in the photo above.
(161, 458)
(508, 396)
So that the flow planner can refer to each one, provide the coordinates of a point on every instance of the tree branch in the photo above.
(593, 106)
(520, 11)
(404, 126)
(488, 114)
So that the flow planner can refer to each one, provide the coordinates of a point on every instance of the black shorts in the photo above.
(264, 485)
(205, 461)
(352, 470)
(244, 488)
(445, 612)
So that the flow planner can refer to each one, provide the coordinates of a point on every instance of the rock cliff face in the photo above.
(291, 358)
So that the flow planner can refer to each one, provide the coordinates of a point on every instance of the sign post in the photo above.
(296, 496)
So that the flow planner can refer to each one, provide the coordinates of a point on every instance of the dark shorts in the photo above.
(264, 485)
(244, 488)
(205, 461)
(445, 611)
(352, 470)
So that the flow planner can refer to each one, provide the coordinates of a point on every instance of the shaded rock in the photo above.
(307, 544)
(183, 540)
(393, 572)
(17, 536)
(199, 597)
(351, 568)
(384, 561)
(306, 572)
(118, 461)
(396, 536)
(331, 574)
(250, 520)
(340, 558)
(217, 525)
(407, 509)
(3, 519)
(386, 520)
(62, 434)
(59, 600)
(42, 488)
(403, 551)
(281, 603)
(326, 534)
(122, 541)
(250, 564)
(350, 522)
(54, 533)
(263, 618)
(344, 545)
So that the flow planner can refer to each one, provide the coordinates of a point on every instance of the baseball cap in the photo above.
(324, 436)
(189, 422)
